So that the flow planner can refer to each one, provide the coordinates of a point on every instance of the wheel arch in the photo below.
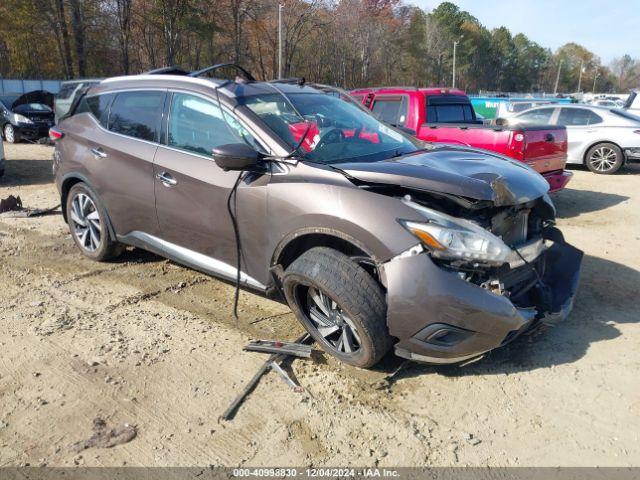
(296, 243)
(598, 142)
(65, 187)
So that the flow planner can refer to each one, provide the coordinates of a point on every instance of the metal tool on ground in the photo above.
(276, 346)
(271, 364)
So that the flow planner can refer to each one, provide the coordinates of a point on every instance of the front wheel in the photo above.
(604, 158)
(341, 306)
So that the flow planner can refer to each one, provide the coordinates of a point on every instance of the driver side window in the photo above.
(198, 125)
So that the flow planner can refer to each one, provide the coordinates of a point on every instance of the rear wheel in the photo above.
(340, 305)
(88, 224)
(10, 133)
(604, 158)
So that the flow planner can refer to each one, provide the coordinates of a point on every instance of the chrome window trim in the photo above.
(213, 100)
(115, 92)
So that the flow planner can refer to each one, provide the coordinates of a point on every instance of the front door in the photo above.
(191, 190)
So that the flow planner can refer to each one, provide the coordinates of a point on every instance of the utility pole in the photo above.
(280, 7)
(580, 76)
(453, 82)
(555, 89)
(595, 77)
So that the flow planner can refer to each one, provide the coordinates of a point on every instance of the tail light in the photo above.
(517, 145)
(55, 134)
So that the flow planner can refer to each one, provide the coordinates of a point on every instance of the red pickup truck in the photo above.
(446, 115)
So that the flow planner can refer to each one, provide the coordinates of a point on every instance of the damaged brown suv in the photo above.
(374, 239)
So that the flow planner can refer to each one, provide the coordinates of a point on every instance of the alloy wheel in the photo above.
(603, 159)
(332, 322)
(9, 134)
(86, 222)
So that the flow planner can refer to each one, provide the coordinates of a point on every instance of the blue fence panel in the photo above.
(12, 85)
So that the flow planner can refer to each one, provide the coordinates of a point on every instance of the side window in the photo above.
(540, 116)
(391, 110)
(137, 114)
(578, 117)
(197, 125)
(97, 105)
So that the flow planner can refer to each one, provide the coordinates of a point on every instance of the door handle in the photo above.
(549, 138)
(99, 153)
(166, 179)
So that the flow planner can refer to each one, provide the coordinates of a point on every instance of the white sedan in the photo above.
(602, 138)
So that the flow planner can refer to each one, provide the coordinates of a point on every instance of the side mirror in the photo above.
(236, 156)
(501, 122)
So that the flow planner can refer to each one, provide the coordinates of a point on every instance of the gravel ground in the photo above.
(151, 350)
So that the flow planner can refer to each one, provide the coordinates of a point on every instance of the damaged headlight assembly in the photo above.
(451, 238)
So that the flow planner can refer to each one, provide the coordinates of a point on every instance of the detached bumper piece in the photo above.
(441, 318)
(557, 179)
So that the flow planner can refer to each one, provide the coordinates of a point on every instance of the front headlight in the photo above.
(455, 238)
(17, 118)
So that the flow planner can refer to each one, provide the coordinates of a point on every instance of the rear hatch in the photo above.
(543, 148)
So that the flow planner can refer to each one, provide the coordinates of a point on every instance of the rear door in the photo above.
(581, 124)
(120, 156)
(191, 190)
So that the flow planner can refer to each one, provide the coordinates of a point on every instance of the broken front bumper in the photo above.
(440, 318)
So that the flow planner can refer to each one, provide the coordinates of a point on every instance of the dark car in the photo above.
(373, 238)
(26, 117)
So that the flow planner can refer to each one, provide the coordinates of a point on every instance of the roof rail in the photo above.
(172, 70)
(291, 80)
(243, 73)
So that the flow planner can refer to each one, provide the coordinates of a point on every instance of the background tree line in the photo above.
(345, 42)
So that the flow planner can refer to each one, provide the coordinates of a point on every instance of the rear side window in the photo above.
(540, 116)
(137, 114)
(196, 125)
(578, 117)
(98, 106)
(391, 110)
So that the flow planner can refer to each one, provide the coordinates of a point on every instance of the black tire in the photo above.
(604, 158)
(10, 134)
(354, 298)
(104, 249)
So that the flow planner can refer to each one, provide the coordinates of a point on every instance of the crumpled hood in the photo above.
(464, 172)
(36, 96)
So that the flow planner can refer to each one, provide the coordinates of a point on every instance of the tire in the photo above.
(10, 134)
(341, 306)
(87, 220)
(604, 158)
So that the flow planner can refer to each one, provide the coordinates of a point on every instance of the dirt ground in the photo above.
(147, 343)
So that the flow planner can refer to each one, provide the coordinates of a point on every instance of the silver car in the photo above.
(602, 138)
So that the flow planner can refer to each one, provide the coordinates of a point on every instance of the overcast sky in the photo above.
(608, 28)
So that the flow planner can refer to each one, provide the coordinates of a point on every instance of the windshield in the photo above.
(32, 107)
(328, 129)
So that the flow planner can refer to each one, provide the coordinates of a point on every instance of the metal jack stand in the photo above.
(284, 350)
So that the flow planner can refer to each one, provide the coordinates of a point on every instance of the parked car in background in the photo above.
(375, 239)
(26, 117)
(68, 91)
(508, 109)
(601, 138)
(2, 160)
(447, 116)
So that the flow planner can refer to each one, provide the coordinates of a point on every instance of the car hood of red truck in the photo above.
(463, 172)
